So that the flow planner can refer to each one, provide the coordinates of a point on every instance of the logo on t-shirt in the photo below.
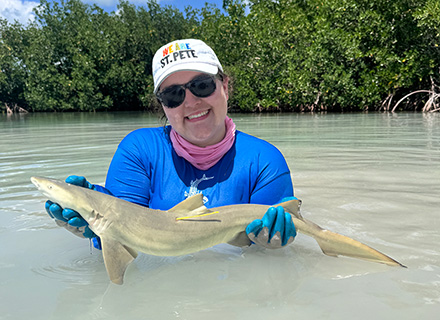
(193, 189)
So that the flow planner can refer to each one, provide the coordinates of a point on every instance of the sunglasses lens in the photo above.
(173, 96)
(202, 87)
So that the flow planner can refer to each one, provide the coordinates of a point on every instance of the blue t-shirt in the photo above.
(146, 170)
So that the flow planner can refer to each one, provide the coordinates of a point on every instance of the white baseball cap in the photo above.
(183, 55)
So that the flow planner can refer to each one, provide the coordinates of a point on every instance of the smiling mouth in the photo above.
(195, 116)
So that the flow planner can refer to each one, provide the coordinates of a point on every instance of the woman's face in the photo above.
(200, 121)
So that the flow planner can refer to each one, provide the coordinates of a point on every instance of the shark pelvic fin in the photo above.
(117, 257)
(241, 240)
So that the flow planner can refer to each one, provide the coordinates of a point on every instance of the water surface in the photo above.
(373, 177)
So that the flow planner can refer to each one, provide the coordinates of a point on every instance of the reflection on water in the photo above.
(373, 177)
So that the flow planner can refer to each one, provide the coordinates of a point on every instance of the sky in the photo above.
(21, 10)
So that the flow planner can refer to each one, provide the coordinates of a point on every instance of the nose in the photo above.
(191, 100)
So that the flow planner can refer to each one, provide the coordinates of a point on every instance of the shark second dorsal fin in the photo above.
(192, 204)
(293, 207)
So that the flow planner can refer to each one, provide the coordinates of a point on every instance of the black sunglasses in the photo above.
(202, 87)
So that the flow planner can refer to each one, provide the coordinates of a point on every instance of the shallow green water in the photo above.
(373, 177)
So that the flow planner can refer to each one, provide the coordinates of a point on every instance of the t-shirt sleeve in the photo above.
(273, 180)
(127, 177)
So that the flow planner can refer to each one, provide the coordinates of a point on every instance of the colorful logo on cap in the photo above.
(177, 51)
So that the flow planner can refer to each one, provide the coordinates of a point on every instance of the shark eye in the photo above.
(50, 186)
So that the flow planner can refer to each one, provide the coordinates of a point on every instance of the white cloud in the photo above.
(17, 10)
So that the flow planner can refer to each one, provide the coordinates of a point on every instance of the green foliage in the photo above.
(78, 57)
(428, 23)
(13, 40)
(281, 55)
(335, 55)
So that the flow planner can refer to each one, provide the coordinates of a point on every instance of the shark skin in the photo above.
(126, 228)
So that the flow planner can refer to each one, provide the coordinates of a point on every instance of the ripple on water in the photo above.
(74, 267)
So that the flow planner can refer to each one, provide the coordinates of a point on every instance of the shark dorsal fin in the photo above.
(192, 204)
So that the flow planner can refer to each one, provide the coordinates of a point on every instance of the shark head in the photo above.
(54, 190)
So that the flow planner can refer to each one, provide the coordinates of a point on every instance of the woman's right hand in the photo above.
(69, 219)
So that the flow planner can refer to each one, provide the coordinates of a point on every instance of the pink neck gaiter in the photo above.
(207, 157)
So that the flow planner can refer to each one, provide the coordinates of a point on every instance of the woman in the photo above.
(200, 152)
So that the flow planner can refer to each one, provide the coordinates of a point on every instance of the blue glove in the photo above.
(72, 220)
(275, 230)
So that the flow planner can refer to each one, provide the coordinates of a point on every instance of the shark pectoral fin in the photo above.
(117, 257)
(241, 240)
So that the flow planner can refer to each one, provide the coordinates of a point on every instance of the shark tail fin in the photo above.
(334, 244)
(117, 257)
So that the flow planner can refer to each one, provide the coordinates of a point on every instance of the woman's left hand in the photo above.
(275, 230)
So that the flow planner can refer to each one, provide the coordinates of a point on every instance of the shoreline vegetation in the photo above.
(282, 56)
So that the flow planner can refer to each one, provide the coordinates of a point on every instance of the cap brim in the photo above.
(198, 67)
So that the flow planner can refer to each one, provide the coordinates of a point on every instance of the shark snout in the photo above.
(34, 180)
(39, 183)
(42, 185)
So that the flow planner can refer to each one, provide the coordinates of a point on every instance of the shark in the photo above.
(126, 228)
